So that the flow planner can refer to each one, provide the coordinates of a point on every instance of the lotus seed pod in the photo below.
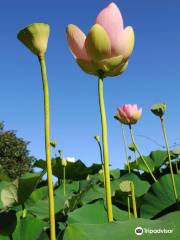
(101, 172)
(97, 138)
(132, 147)
(35, 37)
(64, 162)
(158, 109)
(53, 144)
(125, 186)
(60, 152)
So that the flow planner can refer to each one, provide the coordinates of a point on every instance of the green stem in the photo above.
(24, 211)
(169, 158)
(176, 164)
(135, 157)
(129, 207)
(125, 148)
(105, 150)
(137, 149)
(64, 180)
(101, 155)
(59, 168)
(47, 147)
(133, 200)
(102, 162)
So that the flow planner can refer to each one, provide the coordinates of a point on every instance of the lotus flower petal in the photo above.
(136, 115)
(118, 70)
(35, 37)
(108, 64)
(76, 39)
(87, 66)
(97, 43)
(126, 43)
(122, 116)
(111, 20)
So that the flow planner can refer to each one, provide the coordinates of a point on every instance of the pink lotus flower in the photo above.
(128, 114)
(106, 48)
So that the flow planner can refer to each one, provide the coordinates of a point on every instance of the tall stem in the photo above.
(129, 207)
(102, 162)
(24, 211)
(169, 158)
(105, 150)
(47, 147)
(176, 164)
(59, 167)
(101, 155)
(125, 148)
(133, 200)
(64, 180)
(137, 149)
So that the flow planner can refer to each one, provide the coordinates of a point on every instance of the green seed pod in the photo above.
(64, 162)
(97, 138)
(53, 144)
(125, 186)
(35, 37)
(158, 109)
(132, 147)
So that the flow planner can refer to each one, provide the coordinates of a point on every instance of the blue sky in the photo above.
(153, 75)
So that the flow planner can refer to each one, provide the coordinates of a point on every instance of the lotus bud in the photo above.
(60, 152)
(132, 147)
(35, 37)
(106, 48)
(97, 138)
(53, 144)
(64, 162)
(158, 109)
(128, 114)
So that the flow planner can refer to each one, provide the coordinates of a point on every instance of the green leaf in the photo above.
(154, 160)
(37, 195)
(18, 191)
(7, 222)
(74, 171)
(40, 208)
(141, 187)
(120, 215)
(90, 213)
(125, 229)
(9, 194)
(93, 193)
(3, 185)
(160, 196)
(26, 185)
(115, 173)
(4, 237)
(29, 228)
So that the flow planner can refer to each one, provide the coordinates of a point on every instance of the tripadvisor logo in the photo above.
(139, 231)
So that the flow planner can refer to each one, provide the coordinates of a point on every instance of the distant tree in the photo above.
(14, 155)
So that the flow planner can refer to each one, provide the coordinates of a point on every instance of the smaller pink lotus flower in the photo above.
(128, 114)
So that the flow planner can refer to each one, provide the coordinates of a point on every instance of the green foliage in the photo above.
(155, 160)
(160, 197)
(74, 171)
(124, 230)
(14, 156)
(81, 212)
